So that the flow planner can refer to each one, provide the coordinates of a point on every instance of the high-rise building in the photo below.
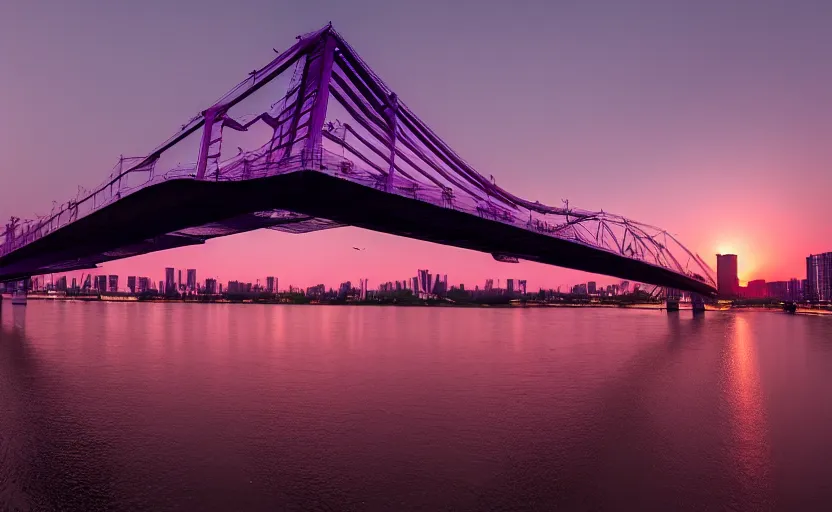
(74, 283)
(625, 287)
(363, 292)
(489, 285)
(170, 283)
(87, 282)
(521, 286)
(131, 284)
(211, 286)
(61, 284)
(179, 281)
(510, 286)
(592, 287)
(819, 277)
(191, 286)
(101, 284)
(795, 289)
(144, 285)
(316, 292)
(425, 283)
(414, 287)
(113, 284)
(778, 290)
(756, 289)
(270, 288)
(727, 282)
(344, 289)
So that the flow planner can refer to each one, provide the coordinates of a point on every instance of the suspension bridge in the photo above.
(340, 149)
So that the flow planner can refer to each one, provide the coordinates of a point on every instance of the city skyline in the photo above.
(726, 273)
(702, 143)
(815, 285)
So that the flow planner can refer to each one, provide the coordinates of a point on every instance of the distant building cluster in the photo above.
(817, 287)
(592, 289)
(427, 286)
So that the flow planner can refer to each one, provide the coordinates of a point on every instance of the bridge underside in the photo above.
(184, 212)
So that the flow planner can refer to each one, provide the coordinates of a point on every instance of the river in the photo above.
(142, 406)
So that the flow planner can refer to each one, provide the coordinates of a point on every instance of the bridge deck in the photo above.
(146, 220)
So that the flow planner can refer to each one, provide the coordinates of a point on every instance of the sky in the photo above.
(712, 119)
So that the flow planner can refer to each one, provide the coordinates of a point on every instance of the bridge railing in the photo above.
(259, 164)
(573, 229)
(117, 186)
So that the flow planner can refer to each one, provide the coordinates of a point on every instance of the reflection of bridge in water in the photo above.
(377, 167)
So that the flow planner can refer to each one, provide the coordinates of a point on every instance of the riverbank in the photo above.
(293, 300)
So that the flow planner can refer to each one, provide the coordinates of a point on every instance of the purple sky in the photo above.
(711, 119)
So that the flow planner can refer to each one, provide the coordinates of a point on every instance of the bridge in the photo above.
(335, 147)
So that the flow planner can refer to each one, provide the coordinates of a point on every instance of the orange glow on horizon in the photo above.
(749, 262)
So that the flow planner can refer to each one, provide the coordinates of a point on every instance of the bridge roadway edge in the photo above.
(173, 205)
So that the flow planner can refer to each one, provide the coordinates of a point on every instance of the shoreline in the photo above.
(521, 305)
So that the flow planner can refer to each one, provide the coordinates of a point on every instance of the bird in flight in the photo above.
(357, 249)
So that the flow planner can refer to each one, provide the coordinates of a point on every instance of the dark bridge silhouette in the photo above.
(377, 166)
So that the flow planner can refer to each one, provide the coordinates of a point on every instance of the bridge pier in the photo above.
(672, 305)
(698, 304)
(20, 293)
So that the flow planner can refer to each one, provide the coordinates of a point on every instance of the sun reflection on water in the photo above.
(750, 450)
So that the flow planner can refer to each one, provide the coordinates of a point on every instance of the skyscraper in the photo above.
(131, 284)
(179, 281)
(192, 280)
(728, 285)
(101, 284)
(170, 284)
(521, 287)
(424, 280)
(270, 288)
(592, 287)
(795, 289)
(819, 277)
(510, 286)
(344, 289)
(113, 283)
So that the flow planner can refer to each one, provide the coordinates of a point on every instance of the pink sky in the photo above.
(711, 120)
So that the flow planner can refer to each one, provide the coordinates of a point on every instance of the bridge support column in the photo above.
(698, 304)
(672, 305)
(20, 293)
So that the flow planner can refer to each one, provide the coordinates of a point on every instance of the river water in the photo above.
(114, 406)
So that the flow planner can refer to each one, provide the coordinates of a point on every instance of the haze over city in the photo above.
(714, 125)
